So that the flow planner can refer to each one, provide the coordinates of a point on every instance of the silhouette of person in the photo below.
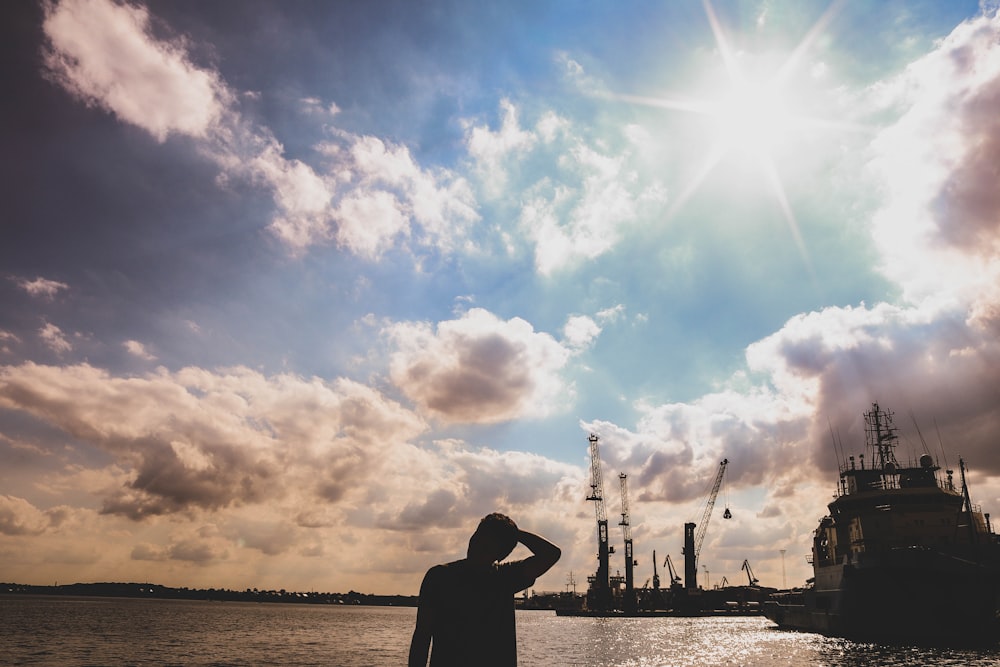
(465, 615)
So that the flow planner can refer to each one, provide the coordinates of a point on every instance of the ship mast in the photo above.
(882, 438)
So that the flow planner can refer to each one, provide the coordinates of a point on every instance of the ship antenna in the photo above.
(841, 463)
(941, 443)
(919, 434)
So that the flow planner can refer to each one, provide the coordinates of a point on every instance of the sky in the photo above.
(294, 293)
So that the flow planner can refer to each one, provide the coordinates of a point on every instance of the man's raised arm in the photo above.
(544, 554)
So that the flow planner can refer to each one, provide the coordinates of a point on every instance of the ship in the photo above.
(904, 556)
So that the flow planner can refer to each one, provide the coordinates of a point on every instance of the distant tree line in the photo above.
(156, 591)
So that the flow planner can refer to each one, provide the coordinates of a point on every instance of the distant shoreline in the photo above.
(156, 591)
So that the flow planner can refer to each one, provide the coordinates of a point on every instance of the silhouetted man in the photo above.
(466, 609)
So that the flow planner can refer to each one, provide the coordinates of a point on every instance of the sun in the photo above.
(752, 118)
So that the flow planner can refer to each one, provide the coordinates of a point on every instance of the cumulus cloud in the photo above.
(441, 202)
(42, 287)
(577, 194)
(936, 167)
(219, 465)
(105, 54)
(197, 439)
(19, 517)
(479, 368)
(101, 51)
(371, 194)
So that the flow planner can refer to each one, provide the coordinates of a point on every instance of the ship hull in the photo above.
(914, 596)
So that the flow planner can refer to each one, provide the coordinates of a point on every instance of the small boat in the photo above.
(903, 557)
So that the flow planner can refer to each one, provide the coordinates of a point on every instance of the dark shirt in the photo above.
(472, 611)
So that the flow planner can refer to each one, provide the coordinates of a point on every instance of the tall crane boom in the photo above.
(599, 593)
(596, 480)
(629, 599)
(626, 528)
(707, 514)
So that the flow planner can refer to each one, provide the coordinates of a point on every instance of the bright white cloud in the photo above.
(494, 152)
(303, 198)
(580, 331)
(102, 52)
(479, 368)
(612, 314)
(370, 221)
(937, 166)
(574, 199)
(441, 203)
(591, 227)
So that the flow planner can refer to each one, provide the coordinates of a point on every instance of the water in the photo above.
(118, 631)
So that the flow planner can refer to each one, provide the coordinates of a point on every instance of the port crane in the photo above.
(746, 567)
(699, 537)
(630, 599)
(600, 590)
(674, 578)
(693, 540)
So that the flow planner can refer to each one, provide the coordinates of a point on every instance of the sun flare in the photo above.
(751, 118)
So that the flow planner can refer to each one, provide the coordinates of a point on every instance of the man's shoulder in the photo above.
(445, 569)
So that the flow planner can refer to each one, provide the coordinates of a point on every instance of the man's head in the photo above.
(494, 539)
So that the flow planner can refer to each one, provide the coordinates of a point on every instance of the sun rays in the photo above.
(752, 118)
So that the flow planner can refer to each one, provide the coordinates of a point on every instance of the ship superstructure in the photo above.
(903, 555)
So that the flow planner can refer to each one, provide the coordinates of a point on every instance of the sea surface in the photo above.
(122, 631)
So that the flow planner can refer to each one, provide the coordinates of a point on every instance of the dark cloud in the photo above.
(935, 377)
(436, 510)
(968, 206)
(196, 551)
(165, 484)
(478, 369)
(268, 537)
(148, 552)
